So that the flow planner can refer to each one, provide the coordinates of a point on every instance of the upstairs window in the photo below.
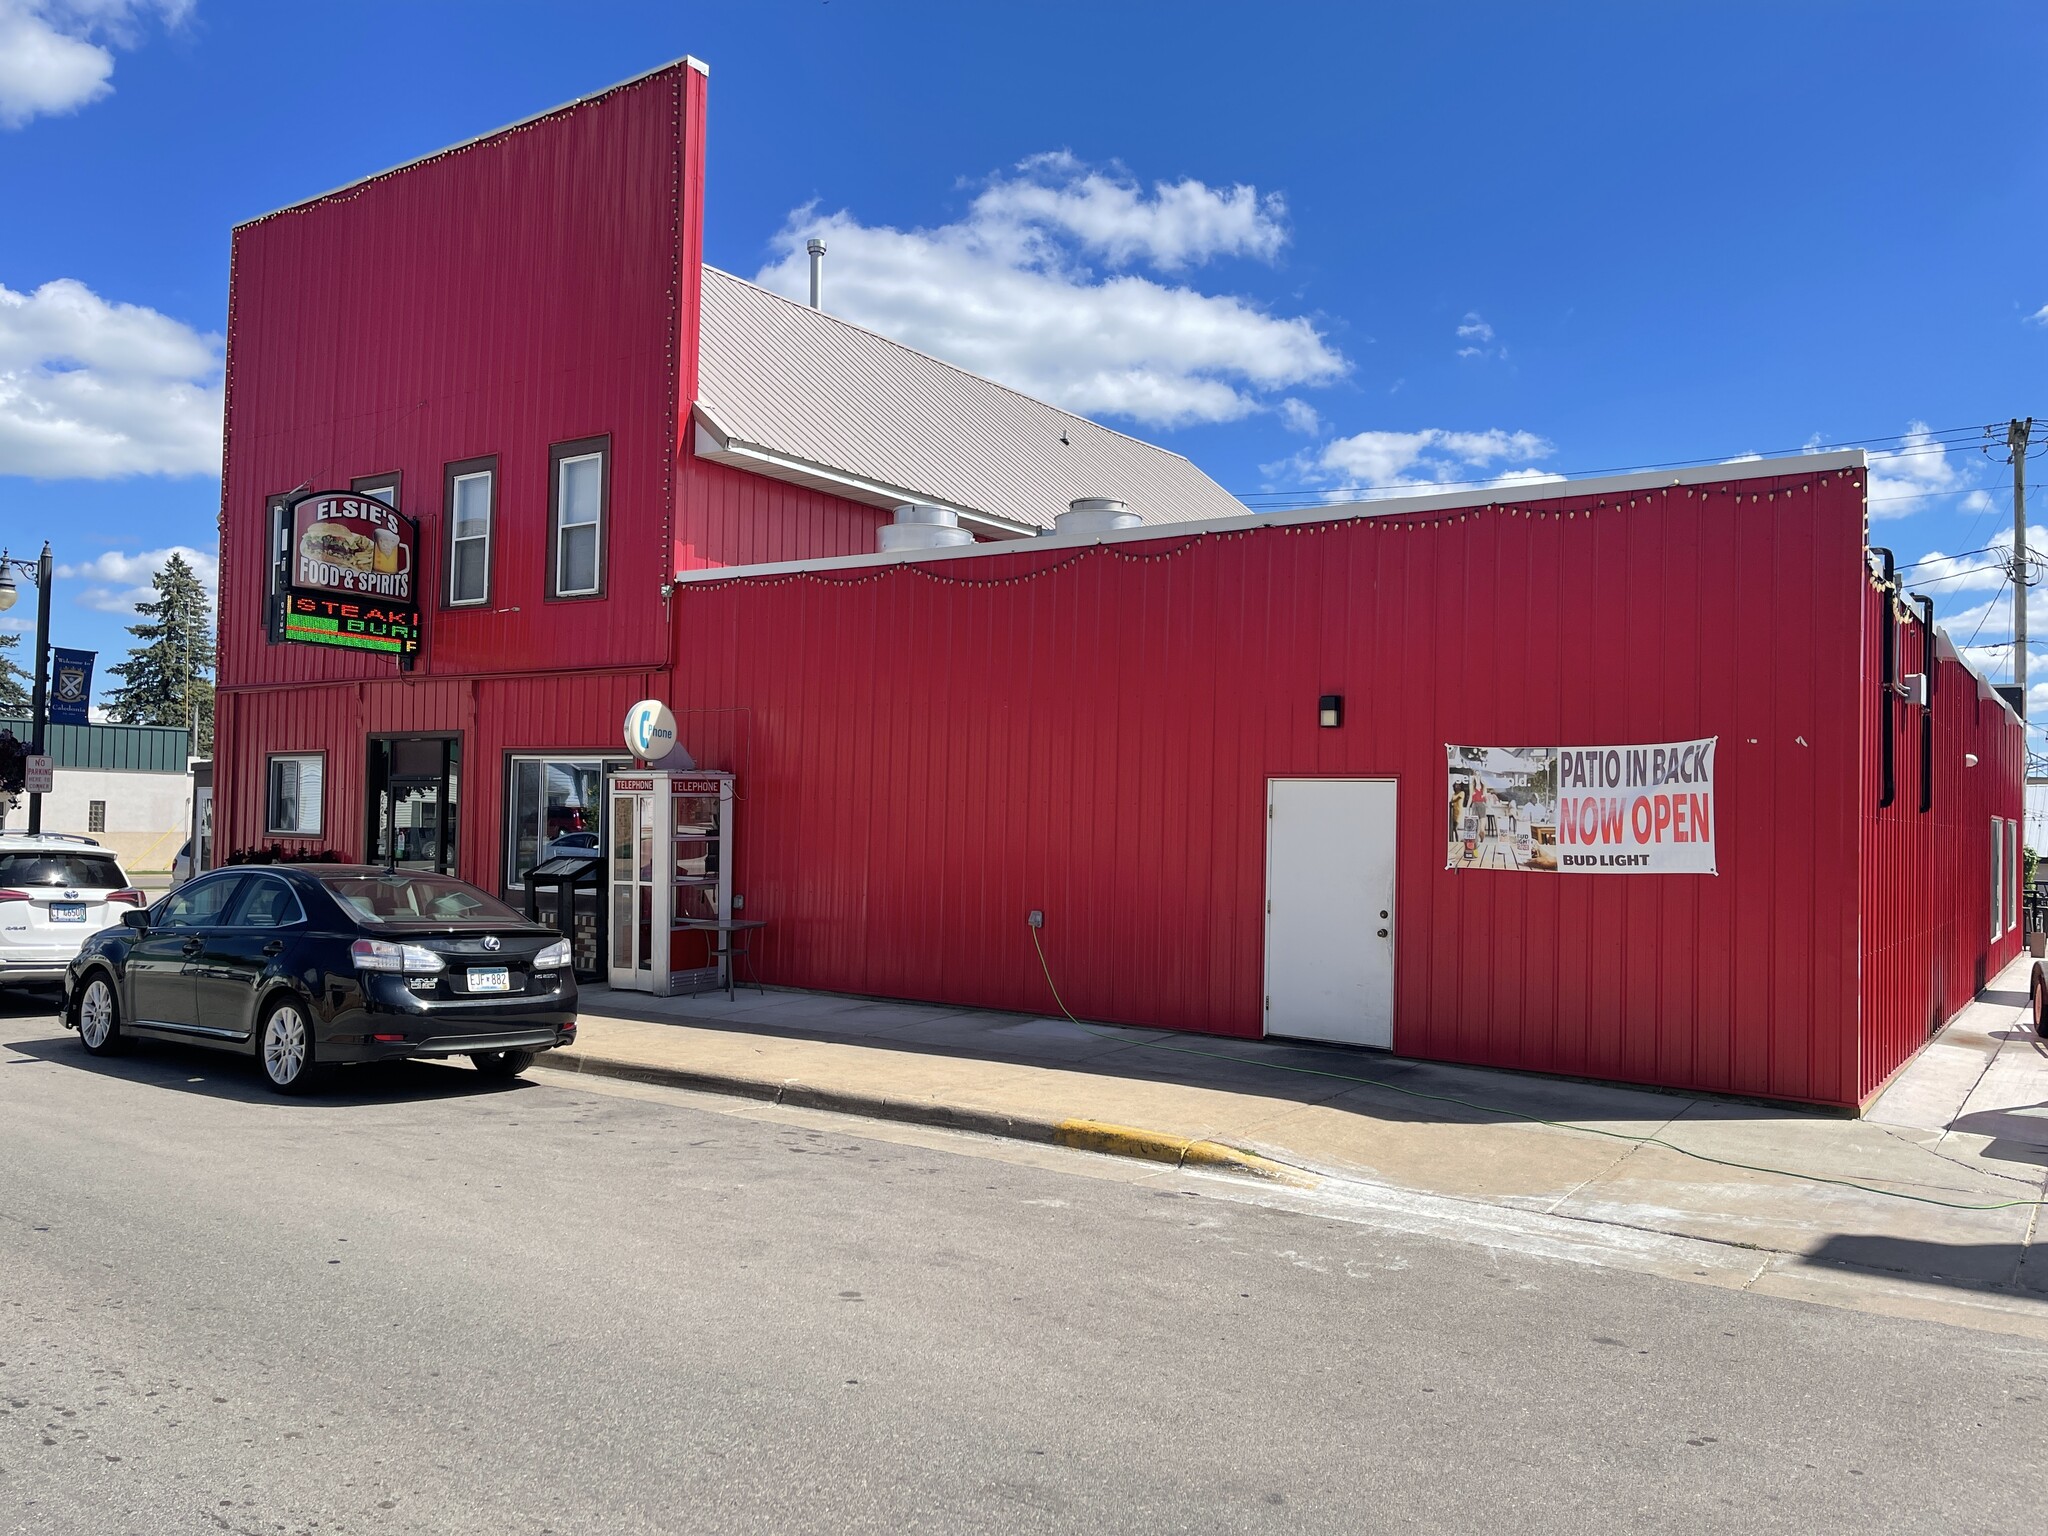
(579, 501)
(382, 488)
(472, 487)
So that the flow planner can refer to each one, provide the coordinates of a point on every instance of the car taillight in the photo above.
(133, 898)
(15, 896)
(382, 955)
(554, 958)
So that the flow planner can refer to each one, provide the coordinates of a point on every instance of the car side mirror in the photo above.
(136, 918)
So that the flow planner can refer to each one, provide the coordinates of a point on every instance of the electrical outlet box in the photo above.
(1036, 919)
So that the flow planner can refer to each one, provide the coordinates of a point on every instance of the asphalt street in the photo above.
(423, 1303)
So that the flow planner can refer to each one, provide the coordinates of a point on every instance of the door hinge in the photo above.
(1269, 904)
(1269, 1002)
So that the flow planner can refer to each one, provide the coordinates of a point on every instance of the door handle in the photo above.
(193, 946)
(274, 947)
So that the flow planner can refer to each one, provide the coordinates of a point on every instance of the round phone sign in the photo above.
(650, 730)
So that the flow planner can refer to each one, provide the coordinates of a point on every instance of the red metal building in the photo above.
(1116, 730)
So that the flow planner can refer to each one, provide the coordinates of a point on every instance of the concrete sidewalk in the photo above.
(1966, 1124)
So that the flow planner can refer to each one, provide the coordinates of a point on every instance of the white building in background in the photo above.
(128, 787)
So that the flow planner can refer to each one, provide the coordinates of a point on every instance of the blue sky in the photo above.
(1310, 246)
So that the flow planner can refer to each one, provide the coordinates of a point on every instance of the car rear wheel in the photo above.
(284, 1044)
(502, 1064)
(99, 1018)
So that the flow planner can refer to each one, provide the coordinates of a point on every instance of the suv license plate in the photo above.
(67, 912)
(494, 978)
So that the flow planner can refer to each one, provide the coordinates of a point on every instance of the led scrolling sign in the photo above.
(350, 572)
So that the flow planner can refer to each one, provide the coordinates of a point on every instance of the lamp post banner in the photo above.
(71, 686)
(1620, 810)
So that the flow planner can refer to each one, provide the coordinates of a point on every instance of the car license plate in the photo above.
(67, 912)
(495, 978)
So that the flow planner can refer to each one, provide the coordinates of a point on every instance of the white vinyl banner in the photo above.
(1633, 810)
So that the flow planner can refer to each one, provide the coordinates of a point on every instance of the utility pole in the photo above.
(2016, 436)
(39, 723)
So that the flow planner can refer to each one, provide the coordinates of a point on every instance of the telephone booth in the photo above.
(668, 861)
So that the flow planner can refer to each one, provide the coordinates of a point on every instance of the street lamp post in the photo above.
(41, 574)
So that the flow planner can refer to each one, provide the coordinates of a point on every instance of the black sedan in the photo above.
(304, 966)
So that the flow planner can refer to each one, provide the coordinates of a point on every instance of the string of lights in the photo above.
(1914, 444)
(1388, 524)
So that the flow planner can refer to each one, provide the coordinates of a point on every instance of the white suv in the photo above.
(55, 890)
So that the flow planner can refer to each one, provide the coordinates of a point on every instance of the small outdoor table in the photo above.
(728, 942)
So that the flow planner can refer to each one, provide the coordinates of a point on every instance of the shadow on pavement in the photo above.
(224, 1075)
(2006, 1266)
(2019, 1134)
(1400, 1088)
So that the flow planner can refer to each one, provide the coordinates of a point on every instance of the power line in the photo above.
(1993, 603)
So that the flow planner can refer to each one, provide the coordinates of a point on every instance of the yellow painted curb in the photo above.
(1214, 1154)
(1179, 1151)
(1120, 1140)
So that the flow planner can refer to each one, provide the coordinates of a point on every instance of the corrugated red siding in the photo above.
(926, 753)
(537, 286)
(1926, 875)
(510, 294)
(730, 517)
(568, 712)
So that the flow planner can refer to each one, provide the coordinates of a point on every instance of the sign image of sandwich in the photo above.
(338, 544)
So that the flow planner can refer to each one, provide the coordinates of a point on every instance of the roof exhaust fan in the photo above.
(923, 527)
(1096, 514)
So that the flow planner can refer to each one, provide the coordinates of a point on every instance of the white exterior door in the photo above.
(1330, 917)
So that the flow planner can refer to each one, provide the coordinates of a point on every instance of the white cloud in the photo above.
(1111, 215)
(115, 583)
(1008, 291)
(57, 55)
(1902, 478)
(94, 390)
(2040, 316)
(1370, 465)
(1478, 337)
(1300, 416)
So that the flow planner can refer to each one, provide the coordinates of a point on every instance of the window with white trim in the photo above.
(1997, 877)
(95, 815)
(577, 502)
(2012, 875)
(292, 798)
(469, 537)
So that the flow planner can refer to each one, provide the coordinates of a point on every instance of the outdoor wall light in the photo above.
(1330, 711)
(1969, 759)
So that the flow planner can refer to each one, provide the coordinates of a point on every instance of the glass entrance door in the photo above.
(629, 851)
(415, 795)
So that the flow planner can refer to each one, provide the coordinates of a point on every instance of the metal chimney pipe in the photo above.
(817, 249)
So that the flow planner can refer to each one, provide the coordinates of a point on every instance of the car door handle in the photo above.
(193, 946)
(274, 947)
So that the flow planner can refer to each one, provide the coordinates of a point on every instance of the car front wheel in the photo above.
(502, 1064)
(284, 1044)
(99, 1019)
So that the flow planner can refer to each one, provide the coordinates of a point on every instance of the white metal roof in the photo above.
(799, 394)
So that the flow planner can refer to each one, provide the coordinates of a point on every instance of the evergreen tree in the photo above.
(168, 676)
(16, 690)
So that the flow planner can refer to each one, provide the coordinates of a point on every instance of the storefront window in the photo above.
(292, 796)
(553, 807)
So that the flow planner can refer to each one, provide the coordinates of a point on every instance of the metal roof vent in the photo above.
(921, 527)
(1096, 514)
